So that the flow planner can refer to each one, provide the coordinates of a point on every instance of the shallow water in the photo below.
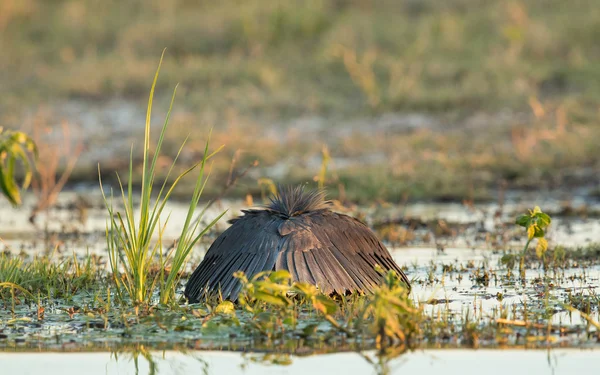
(448, 362)
(81, 215)
(455, 295)
(447, 270)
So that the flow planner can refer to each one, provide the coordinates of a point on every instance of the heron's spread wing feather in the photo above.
(249, 245)
(337, 251)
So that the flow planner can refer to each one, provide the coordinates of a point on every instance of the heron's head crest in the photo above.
(295, 200)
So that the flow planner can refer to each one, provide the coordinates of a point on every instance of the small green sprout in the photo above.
(536, 223)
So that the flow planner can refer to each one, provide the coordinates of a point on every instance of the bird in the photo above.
(297, 232)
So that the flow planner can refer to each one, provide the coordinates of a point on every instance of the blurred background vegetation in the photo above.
(395, 99)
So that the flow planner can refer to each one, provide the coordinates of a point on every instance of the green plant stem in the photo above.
(526, 247)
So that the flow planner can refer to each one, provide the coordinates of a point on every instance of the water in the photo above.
(81, 214)
(448, 362)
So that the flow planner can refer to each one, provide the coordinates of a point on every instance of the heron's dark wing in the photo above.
(334, 251)
(249, 245)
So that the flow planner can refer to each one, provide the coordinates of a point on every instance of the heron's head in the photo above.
(295, 200)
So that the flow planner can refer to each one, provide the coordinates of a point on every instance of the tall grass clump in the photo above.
(132, 252)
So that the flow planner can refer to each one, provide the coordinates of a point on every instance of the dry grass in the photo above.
(58, 154)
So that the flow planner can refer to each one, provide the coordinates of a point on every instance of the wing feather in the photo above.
(249, 245)
(334, 251)
(334, 277)
(323, 273)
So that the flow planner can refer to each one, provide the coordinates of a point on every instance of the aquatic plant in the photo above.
(301, 321)
(15, 146)
(275, 303)
(535, 223)
(276, 306)
(265, 297)
(390, 314)
(132, 252)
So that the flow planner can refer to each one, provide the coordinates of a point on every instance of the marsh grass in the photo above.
(45, 277)
(132, 246)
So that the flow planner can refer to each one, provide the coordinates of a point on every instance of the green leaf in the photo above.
(325, 305)
(271, 299)
(240, 275)
(543, 220)
(523, 220)
(309, 329)
(306, 289)
(7, 284)
(538, 232)
(279, 276)
(9, 186)
(200, 312)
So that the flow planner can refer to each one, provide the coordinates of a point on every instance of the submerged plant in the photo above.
(132, 252)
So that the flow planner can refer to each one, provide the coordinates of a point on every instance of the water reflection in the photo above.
(146, 361)
(141, 361)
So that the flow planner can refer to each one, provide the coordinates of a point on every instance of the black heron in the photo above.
(297, 232)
